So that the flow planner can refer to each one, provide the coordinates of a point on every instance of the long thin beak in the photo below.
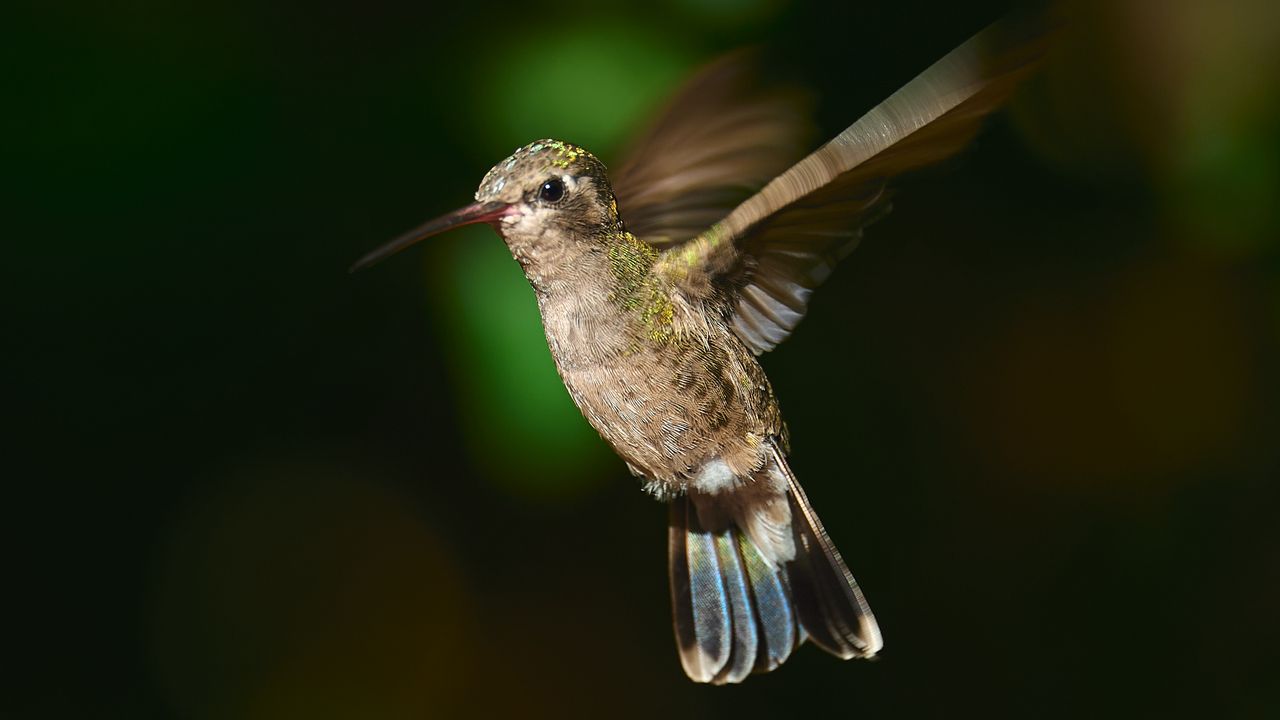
(469, 215)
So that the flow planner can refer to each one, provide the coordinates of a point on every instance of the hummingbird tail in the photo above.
(733, 609)
(739, 607)
(828, 602)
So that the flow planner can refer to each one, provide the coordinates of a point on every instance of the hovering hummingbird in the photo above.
(658, 290)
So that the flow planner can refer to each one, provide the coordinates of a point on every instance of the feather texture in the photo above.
(774, 613)
(926, 120)
(775, 247)
(703, 624)
(720, 138)
(829, 602)
(741, 609)
(737, 608)
(732, 606)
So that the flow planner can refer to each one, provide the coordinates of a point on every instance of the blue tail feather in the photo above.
(733, 614)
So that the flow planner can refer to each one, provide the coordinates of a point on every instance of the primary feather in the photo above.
(720, 138)
(772, 249)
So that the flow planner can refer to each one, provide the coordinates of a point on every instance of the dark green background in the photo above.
(1037, 408)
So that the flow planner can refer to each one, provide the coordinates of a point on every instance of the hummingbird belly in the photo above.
(673, 409)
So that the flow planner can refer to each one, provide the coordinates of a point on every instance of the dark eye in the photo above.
(551, 191)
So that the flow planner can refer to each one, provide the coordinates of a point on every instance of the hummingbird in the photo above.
(661, 284)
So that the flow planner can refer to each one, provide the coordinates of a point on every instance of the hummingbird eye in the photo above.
(551, 191)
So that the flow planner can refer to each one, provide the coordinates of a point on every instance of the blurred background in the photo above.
(1037, 408)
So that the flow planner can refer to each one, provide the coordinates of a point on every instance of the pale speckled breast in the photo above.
(666, 408)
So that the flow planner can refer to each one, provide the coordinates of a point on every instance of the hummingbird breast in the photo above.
(662, 379)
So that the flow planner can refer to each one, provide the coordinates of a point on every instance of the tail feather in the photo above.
(827, 598)
(738, 611)
(733, 612)
(698, 595)
(774, 612)
(741, 611)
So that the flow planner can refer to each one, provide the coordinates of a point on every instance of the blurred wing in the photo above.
(778, 245)
(719, 139)
(781, 261)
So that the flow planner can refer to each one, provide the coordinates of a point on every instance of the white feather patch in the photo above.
(715, 477)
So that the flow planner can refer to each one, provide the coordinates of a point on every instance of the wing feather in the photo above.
(779, 244)
(720, 138)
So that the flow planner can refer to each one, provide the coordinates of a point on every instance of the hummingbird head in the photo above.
(556, 200)
(550, 201)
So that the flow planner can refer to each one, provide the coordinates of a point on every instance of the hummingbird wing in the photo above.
(773, 249)
(719, 139)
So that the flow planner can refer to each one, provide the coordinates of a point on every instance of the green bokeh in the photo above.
(520, 424)
(586, 83)
(1227, 166)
